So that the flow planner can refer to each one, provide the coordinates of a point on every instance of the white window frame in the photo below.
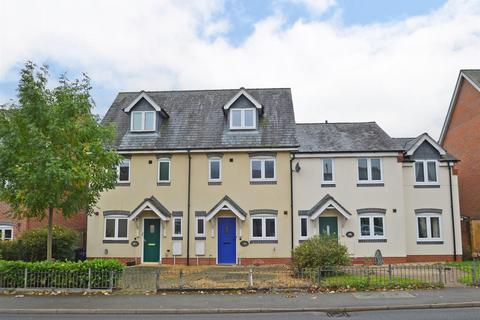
(303, 237)
(169, 161)
(181, 227)
(143, 129)
(2, 236)
(372, 235)
(425, 173)
(116, 237)
(215, 159)
(333, 172)
(369, 171)
(242, 119)
(262, 169)
(129, 171)
(429, 216)
(264, 227)
(197, 234)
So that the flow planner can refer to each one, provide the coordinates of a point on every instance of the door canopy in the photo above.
(328, 202)
(226, 204)
(151, 204)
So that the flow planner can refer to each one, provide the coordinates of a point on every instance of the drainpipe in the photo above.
(291, 197)
(188, 205)
(451, 210)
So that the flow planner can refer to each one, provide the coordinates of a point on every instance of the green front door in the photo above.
(328, 226)
(151, 240)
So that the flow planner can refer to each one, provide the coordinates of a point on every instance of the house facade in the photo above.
(205, 178)
(375, 192)
(461, 136)
(227, 177)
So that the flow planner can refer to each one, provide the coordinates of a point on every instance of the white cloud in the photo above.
(400, 74)
(317, 6)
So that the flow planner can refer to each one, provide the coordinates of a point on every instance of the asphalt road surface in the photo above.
(432, 314)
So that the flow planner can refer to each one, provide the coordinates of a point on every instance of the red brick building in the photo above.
(461, 136)
(11, 228)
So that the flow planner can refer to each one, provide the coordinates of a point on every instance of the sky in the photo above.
(393, 62)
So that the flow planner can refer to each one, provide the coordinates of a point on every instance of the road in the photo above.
(432, 314)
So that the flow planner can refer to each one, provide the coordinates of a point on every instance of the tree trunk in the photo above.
(50, 234)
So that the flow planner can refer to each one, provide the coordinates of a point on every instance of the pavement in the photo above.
(240, 303)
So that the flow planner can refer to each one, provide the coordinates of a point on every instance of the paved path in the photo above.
(254, 302)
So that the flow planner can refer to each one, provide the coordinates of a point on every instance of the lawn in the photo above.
(465, 271)
(371, 282)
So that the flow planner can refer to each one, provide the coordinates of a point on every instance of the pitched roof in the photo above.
(325, 203)
(153, 204)
(197, 121)
(226, 202)
(344, 137)
(409, 144)
(472, 76)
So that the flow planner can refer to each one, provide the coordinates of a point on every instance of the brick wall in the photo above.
(462, 140)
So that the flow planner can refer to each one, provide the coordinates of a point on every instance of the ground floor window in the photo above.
(6, 233)
(200, 227)
(303, 227)
(429, 227)
(264, 227)
(116, 228)
(372, 227)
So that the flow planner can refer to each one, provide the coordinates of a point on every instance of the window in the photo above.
(327, 171)
(243, 119)
(164, 170)
(6, 233)
(123, 171)
(116, 228)
(177, 226)
(264, 228)
(214, 169)
(303, 228)
(369, 170)
(429, 227)
(200, 227)
(143, 121)
(372, 227)
(262, 169)
(426, 172)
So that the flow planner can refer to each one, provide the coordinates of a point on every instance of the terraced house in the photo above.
(227, 177)
(205, 178)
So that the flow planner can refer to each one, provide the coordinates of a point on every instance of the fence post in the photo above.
(440, 274)
(157, 279)
(250, 278)
(89, 278)
(390, 274)
(25, 277)
(181, 279)
(319, 275)
(111, 280)
(474, 272)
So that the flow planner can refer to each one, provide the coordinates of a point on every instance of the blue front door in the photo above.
(227, 244)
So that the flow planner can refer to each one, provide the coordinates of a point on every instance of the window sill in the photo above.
(263, 182)
(200, 238)
(122, 184)
(371, 240)
(165, 184)
(177, 238)
(263, 241)
(426, 186)
(328, 185)
(370, 184)
(214, 183)
(429, 242)
(115, 241)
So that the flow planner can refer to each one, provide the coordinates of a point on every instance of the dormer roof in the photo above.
(242, 92)
(413, 145)
(144, 95)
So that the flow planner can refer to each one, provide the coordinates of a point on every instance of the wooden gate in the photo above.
(475, 237)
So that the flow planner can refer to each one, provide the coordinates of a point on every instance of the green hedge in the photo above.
(60, 274)
(320, 251)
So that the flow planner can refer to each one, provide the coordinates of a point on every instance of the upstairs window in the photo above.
(214, 170)
(6, 233)
(262, 169)
(164, 170)
(123, 171)
(426, 172)
(327, 167)
(143, 121)
(369, 170)
(243, 119)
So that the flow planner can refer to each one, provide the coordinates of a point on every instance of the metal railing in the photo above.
(241, 277)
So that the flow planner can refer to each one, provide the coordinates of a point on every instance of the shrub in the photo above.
(60, 274)
(32, 245)
(320, 251)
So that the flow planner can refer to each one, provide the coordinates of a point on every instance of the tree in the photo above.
(54, 153)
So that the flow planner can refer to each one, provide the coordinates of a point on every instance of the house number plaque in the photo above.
(244, 243)
(134, 243)
(350, 234)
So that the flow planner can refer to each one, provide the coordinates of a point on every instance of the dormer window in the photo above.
(143, 121)
(243, 119)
